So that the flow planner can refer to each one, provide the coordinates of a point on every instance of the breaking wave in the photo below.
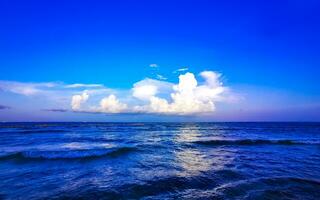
(78, 154)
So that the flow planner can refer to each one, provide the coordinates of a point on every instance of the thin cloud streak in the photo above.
(56, 110)
(80, 85)
(181, 70)
(3, 107)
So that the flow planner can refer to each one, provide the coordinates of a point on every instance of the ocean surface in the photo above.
(160, 161)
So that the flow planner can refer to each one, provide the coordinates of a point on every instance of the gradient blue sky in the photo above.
(267, 52)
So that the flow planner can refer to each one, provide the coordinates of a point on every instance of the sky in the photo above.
(162, 60)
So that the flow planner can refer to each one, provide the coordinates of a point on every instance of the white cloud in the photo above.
(160, 77)
(188, 97)
(143, 91)
(78, 99)
(153, 65)
(212, 78)
(181, 70)
(49, 89)
(27, 89)
(80, 85)
(147, 88)
(111, 104)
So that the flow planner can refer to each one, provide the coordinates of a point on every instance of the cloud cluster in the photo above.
(160, 97)
(46, 95)
(188, 97)
(191, 95)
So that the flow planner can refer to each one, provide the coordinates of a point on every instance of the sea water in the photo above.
(159, 160)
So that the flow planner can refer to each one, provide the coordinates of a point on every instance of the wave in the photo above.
(270, 188)
(253, 142)
(200, 187)
(156, 187)
(142, 189)
(68, 155)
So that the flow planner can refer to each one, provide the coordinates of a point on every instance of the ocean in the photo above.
(160, 161)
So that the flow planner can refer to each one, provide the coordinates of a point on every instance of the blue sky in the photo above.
(265, 52)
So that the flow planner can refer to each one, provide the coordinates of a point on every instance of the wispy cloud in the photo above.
(153, 65)
(161, 77)
(26, 89)
(46, 88)
(80, 85)
(181, 70)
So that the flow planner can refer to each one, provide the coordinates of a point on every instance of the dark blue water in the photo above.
(160, 161)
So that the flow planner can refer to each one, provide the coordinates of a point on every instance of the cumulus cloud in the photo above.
(111, 104)
(78, 99)
(144, 91)
(147, 88)
(188, 97)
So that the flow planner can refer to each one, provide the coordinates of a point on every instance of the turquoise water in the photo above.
(159, 160)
